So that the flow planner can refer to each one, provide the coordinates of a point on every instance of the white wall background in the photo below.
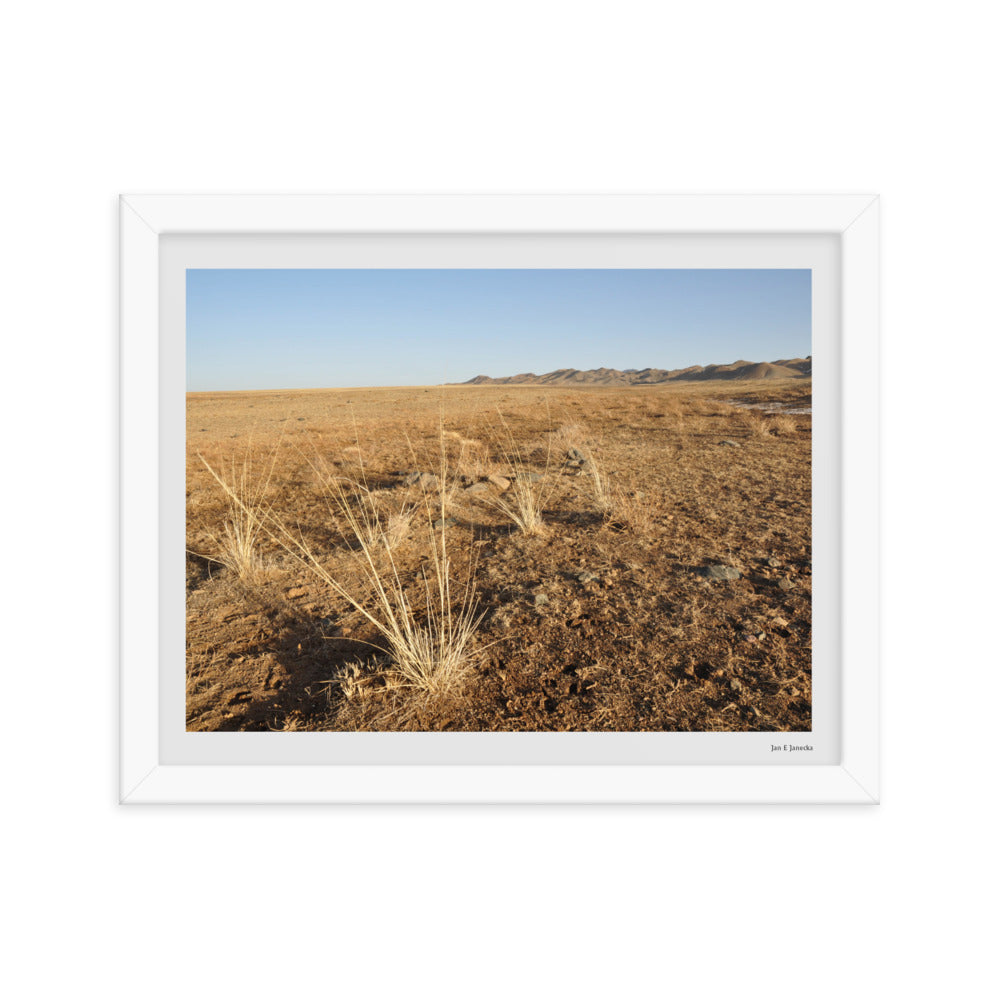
(522, 96)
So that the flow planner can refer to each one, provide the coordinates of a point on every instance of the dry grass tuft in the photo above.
(606, 498)
(524, 502)
(768, 425)
(472, 455)
(238, 545)
(783, 424)
(426, 629)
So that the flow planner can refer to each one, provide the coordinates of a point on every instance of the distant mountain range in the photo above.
(737, 371)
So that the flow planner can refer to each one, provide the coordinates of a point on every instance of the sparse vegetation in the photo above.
(769, 424)
(521, 498)
(426, 629)
(238, 542)
(506, 573)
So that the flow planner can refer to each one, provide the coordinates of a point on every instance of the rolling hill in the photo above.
(737, 371)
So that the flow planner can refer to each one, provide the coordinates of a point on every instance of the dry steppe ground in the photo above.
(605, 620)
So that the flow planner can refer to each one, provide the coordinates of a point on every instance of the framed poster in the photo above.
(499, 498)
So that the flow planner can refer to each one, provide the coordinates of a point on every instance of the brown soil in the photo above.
(603, 622)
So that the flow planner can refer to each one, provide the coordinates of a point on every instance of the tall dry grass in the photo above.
(605, 497)
(473, 459)
(523, 502)
(238, 545)
(583, 453)
(426, 627)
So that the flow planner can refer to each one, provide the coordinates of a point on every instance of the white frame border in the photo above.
(144, 218)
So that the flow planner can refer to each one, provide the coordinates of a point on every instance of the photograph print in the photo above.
(536, 500)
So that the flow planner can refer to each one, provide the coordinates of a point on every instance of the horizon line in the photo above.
(439, 385)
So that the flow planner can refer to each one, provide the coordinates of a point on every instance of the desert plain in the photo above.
(665, 584)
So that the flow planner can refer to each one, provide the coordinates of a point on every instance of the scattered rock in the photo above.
(532, 477)
(587, 577)
(477, 488)
(735, 686)
(773, 561)
(445, 522)
(541, 600)
(500, 482)
(730, 444)
(719, 573)
(575, 455)
(425, 480)
(786, 584)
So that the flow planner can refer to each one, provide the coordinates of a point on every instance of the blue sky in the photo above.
(283, 329)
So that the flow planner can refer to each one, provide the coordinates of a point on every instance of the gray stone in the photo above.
(425, 480)
(445, 522)
(730, 444)
(500, 482)
(477, 488)
(541, 600)
(720, 573)
(774, 562)
(587, 577)
(575, 455)
(786, 584)
(531, 477)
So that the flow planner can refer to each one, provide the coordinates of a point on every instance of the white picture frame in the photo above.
(145, 220)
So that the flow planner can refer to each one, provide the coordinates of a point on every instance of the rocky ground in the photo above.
(669, 588)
